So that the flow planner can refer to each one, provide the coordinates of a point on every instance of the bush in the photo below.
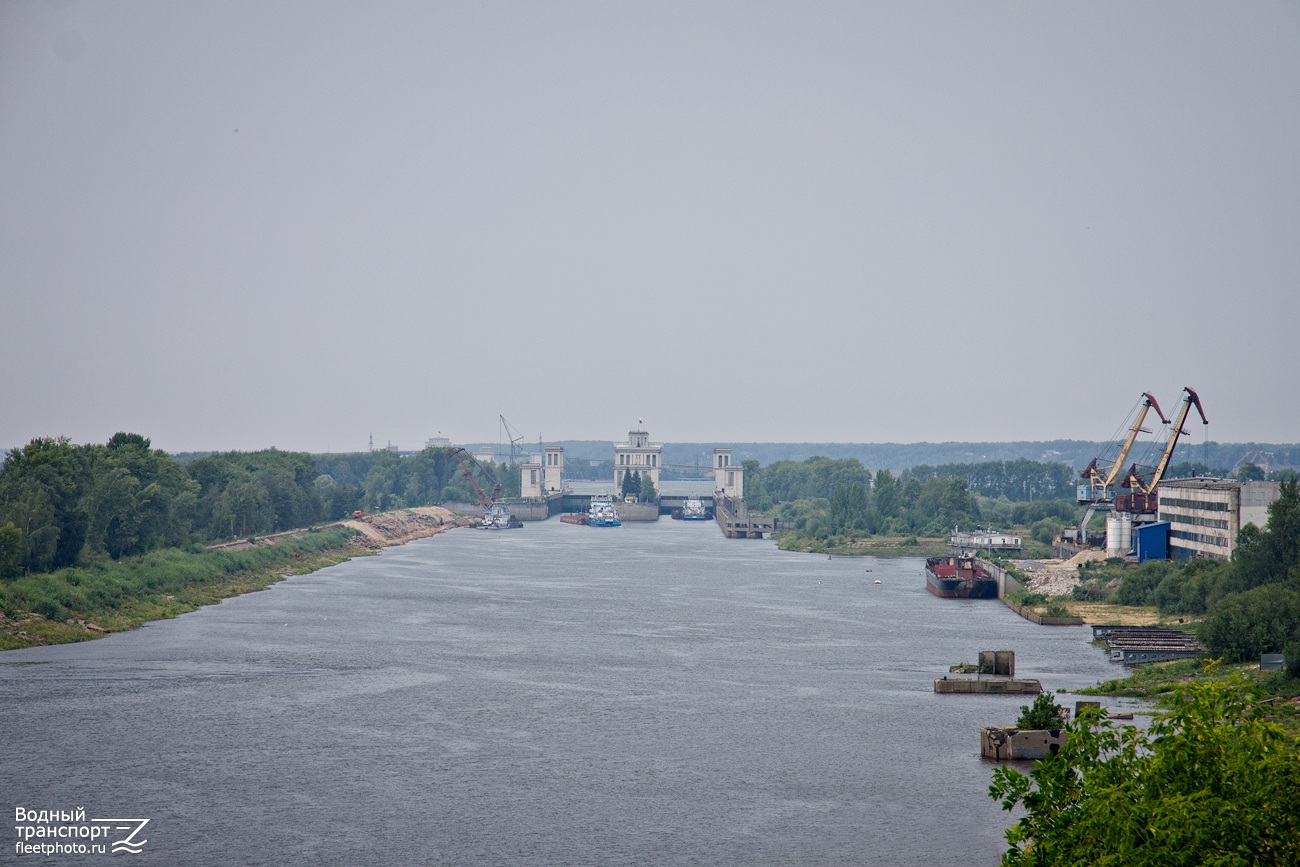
(1292, 655)
(1243, 625)
(1045, 713)
(50, 610)
(1027, 597)
(1210, 782)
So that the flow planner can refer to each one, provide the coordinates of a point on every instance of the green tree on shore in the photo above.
(1211, 782)
(631, 484)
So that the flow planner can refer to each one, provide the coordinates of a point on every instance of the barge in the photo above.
(959, 577)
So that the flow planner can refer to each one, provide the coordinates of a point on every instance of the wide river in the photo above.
(647, 694)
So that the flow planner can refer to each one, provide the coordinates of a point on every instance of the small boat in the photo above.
(497, 517)
(877, 580)
(602, 513)
(959, 577)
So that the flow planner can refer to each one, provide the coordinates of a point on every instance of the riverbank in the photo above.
(103, 596)
(869, 546)
(1278, 693)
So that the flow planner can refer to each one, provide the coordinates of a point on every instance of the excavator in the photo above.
(1143, 483)
(496, 515)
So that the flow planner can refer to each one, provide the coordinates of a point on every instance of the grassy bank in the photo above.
(874, 546)
(104, 595)
(1157, 681)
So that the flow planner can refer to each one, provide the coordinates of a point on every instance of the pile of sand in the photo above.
(1086, 556)
(400, 527)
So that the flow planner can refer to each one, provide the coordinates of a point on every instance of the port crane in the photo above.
(467, 461)
(496, 514)
(1143, 484)
(516, 450)
(1097, 489)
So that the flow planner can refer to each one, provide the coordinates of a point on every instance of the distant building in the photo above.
(637, 455)
(553, 464)
(485, 455)
(1205, 515)
(437, 443)
(982, 540)
(728, 478)
(530, 480)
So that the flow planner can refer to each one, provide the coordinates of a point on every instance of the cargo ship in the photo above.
(959, 578)
(602, 513)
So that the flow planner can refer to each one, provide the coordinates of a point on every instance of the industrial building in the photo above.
(1205, 515)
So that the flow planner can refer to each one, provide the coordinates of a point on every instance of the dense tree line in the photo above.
(1018, 480)
(822, 496)
(62, 503)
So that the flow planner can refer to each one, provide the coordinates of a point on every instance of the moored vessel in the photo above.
(958, 577)
(602, 513)
(497, 516)
(693, 510)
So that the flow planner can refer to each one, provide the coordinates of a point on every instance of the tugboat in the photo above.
(693, 510)
(497, 516)
(959, 577)
(602, 513)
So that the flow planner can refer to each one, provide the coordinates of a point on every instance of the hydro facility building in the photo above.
(637, 455)
(1205, 515)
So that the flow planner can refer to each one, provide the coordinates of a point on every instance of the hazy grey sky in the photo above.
(242, 224)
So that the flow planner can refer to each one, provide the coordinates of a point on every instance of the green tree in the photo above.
(1272, 555)
(647, 492)
(41, 486)
(1210, 782)
(755, 490)
(631, 484)
(1241, 626)
(849, 507)
(884, 496)
(1044, 713)
(1249, 472)
(11, 551)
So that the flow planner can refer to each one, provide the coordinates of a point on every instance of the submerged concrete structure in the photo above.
(1003, 743)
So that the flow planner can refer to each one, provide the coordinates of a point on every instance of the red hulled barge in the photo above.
(959, 577)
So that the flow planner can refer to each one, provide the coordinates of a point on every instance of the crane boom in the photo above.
(1101, 477)
(515, 439)
(1188, 400)
(1144, 485)
(466, 459)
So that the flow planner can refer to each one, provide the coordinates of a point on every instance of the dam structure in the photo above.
(543, 493)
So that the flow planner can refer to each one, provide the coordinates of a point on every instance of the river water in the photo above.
(559, 694)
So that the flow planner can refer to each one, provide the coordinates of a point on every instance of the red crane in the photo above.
(466, 459)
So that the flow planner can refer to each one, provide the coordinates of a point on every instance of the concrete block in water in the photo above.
(1009, 744)
(987, 686)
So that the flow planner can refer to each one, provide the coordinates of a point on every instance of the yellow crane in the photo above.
(1143, 485)
(1097, 487)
